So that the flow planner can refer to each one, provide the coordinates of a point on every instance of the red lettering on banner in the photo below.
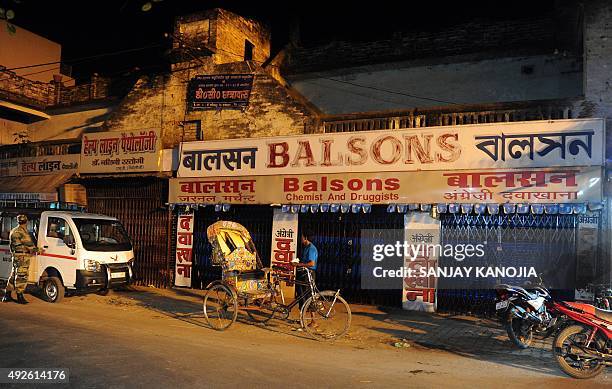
(355, 145)
(323, 184)
(291, 184)
(283, 252)
(275, 153)
(396, 151)
(428, 295)
(422, 151)
(185, 222)
(304, 153)
(184, 269)
(327, 154)
(511, 179)
(453, 148)
(184, 238)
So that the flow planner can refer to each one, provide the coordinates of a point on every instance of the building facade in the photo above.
(485, 132)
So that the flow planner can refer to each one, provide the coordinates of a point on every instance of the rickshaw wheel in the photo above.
(220, 307)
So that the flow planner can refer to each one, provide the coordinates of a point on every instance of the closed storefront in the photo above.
(139, 202)
(122, 172)
(518, 189)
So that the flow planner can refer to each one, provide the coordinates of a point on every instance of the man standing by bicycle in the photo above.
(309, 259)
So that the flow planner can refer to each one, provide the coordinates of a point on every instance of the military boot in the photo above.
(7, 297)
(21, 299)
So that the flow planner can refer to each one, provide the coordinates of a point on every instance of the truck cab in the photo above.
(78, 251)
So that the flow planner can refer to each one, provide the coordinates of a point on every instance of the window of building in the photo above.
(248, 50)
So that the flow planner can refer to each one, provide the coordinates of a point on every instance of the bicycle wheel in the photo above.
(261, 310)
(326, 317)
(220, 307)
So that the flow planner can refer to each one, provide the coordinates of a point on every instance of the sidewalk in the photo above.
(371, 326)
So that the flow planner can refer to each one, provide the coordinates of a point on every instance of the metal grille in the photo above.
(139, 204)
(338, 241)
(256, 219)
(509, 240)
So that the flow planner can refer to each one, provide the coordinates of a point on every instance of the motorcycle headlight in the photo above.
(91, 265)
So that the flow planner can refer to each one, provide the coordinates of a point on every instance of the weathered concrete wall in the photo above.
(441, 82)
(598, 64)
(598, 95)
(232, 31)
(224, 33)
(70, 125)
(9, 129)
(161, 102)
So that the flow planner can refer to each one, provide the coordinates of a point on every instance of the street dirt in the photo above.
(148, 337)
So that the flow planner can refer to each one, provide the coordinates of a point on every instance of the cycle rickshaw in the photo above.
(246, 285)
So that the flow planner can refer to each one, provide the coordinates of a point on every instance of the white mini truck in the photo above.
(78, 252)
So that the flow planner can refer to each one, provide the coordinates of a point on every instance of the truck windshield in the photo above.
(102, 235)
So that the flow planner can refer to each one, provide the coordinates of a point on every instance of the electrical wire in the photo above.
(364, 86)
(189, 51)
(84, 59)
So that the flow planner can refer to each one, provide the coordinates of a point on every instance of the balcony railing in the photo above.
(40, 95)
(40, 149)
(451, 116)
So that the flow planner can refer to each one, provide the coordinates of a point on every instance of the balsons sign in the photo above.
(535, 144)
(529, 185)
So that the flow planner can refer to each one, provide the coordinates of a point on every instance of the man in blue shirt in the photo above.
(310, 255)
(309, 259)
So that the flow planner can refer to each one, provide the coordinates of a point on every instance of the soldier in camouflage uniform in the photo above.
(23, 248)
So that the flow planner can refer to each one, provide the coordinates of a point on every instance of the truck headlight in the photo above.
(91, 265)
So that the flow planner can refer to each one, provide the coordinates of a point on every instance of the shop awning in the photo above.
(30, 113)
(32, 188)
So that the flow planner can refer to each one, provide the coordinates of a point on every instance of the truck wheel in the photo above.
(103, 292)
(52, 290)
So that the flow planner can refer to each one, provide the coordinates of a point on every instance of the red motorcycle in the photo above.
(583, 349)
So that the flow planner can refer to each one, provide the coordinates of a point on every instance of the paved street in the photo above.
(158, 338)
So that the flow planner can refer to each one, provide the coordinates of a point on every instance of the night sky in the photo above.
(90, 28)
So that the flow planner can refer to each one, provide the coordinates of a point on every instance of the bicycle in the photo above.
(325, 315)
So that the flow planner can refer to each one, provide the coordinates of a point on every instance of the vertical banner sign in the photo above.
(586, 261)
(420, 231)
(184, 247)
(284, 247)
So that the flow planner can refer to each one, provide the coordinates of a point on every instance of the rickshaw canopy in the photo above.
(233, 247)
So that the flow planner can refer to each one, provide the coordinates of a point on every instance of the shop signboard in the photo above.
(121, 152)
(184, 249)
(534, 144)
(219, 91)
(419, 293)
(587, 256)
(34, 166)
(528, 185)
(284, 248)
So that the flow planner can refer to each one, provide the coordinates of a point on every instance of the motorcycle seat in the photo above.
(603, 314)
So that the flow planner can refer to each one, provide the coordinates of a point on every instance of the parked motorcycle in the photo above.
(525, 312)
(583, 348)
